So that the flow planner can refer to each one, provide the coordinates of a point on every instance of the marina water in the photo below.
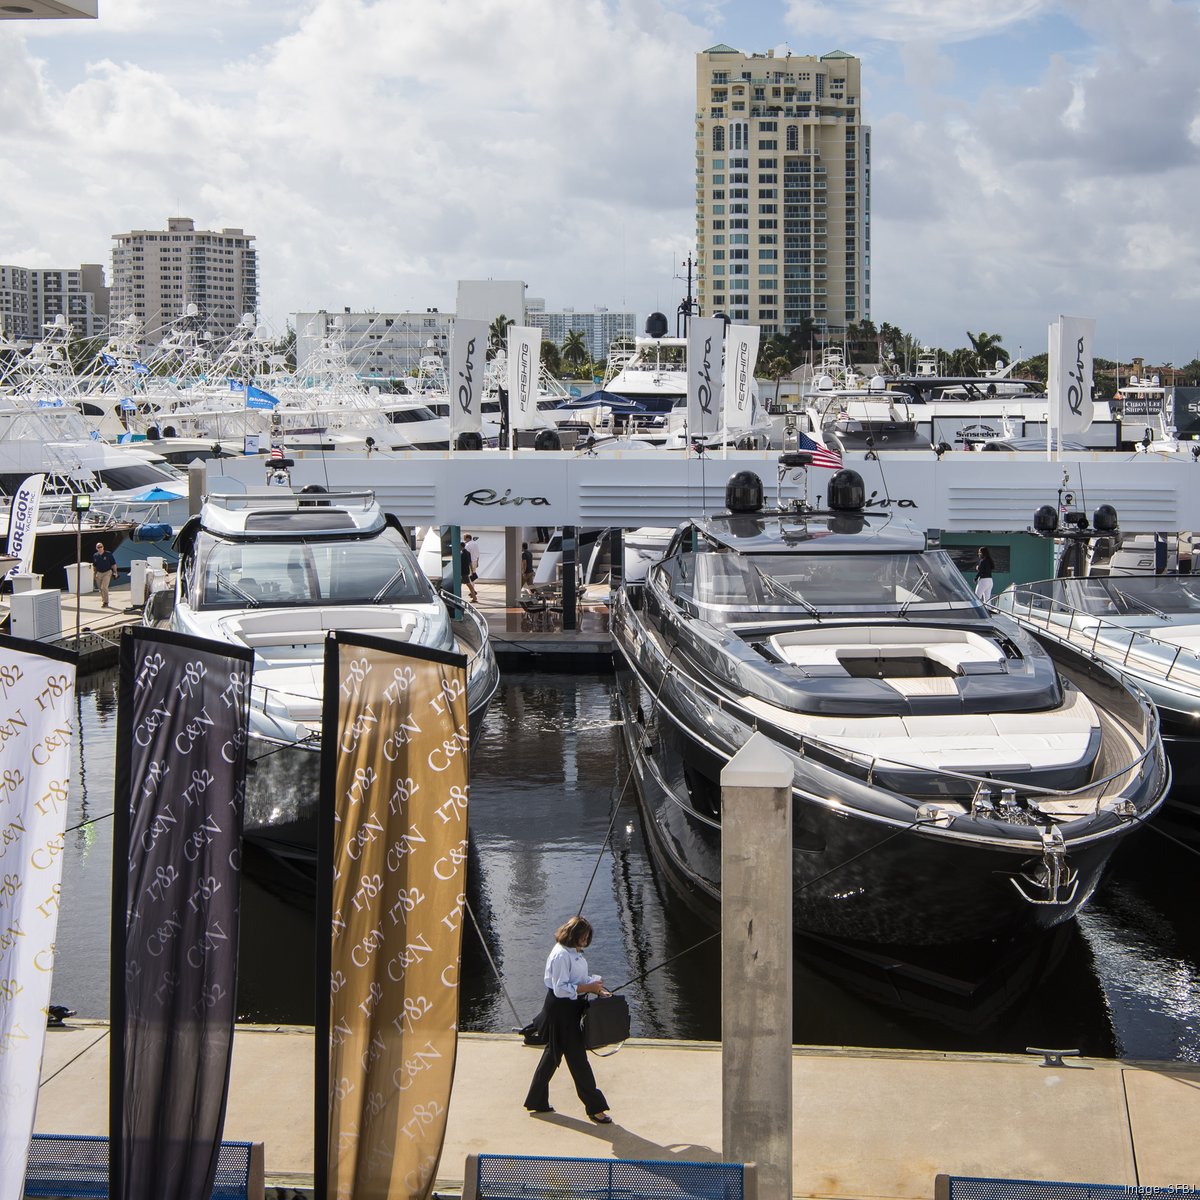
(555, 826)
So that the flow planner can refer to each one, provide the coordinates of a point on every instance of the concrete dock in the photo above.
(868, 1124)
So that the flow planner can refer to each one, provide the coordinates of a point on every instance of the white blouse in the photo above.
(566, 969)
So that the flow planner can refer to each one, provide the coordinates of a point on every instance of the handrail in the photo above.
(1023, 598)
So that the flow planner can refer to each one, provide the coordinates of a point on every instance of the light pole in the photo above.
(80, 502)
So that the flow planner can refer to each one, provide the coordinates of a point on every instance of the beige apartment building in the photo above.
(783, 200)
(158, 273)
(33, 297)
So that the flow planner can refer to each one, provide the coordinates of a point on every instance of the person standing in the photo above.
(475, 550)
(104, 568)
(526, 565)
(984, 569)
(464, 569)
(568, 984)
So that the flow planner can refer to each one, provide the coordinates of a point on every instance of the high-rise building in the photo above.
(157, 274)
(32, 297)
(783, 201)
(600, 328)
(378, 347)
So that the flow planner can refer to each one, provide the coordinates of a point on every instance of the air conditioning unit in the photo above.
(36, 615)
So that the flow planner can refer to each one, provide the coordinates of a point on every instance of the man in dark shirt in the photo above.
(526, 565)
(104, 567)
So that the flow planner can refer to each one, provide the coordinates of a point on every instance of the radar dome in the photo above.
(656, 325)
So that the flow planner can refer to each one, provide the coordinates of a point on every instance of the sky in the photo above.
(1030, 157)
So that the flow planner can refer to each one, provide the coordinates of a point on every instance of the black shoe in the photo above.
(534, 1111)
(600, 1118)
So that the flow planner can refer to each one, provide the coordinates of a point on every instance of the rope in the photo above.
(492, 962)
(625, 787)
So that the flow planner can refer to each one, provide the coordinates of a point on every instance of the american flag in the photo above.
(822, 455)
(277, 453)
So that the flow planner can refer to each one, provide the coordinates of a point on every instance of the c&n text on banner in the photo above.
(392, 897)
(182, 716)
(37, 726)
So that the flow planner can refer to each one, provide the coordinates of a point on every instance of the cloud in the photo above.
(929, 21)
(1073, 194)
(380, 151)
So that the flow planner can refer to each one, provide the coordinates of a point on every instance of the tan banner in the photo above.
(400, 744)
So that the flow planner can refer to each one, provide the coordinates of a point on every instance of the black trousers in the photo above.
(565, 1041)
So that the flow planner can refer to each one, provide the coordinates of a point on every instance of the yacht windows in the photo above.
(142, 475)
(295, 573)
(812, 583)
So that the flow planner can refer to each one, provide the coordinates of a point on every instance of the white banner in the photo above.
(1070, 373)
(22, 522)
(37, 707)
(468, 353)
(705, 344)
(741, 353)
(524, 362)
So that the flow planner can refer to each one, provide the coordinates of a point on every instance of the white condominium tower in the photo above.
(157, 274)
(783, 200)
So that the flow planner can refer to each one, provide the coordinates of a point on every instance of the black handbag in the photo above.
(606, 1023)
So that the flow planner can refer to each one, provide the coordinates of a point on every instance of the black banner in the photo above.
(182, 719)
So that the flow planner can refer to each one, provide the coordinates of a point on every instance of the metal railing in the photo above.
(1049, 613)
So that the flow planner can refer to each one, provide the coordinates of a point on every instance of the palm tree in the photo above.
(775, 368)
(987, 350)
(551, 357)
(498, 334)
(575, 350)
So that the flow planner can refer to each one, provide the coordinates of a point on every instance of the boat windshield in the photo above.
(291, 574)
(1125, 595)
(819, 584)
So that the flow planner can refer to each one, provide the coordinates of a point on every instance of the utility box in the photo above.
(25, 583)
(137, 581)
(79, 577)
(36, 615)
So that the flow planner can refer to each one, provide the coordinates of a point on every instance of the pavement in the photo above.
(868, 1124)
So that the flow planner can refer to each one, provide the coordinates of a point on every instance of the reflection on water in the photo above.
(549, 790)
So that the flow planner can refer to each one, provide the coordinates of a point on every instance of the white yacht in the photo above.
(277, 570)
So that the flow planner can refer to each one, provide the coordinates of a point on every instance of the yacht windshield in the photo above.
(289, 574)
(1110, 596)
(820, 584)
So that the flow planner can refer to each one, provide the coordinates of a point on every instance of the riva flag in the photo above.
(37, 727)
(468, 354)
(705, 347)
(524, 364)
(1070, 373)
(182, 713)
(22, 521)
(391, 890)
(741, 353)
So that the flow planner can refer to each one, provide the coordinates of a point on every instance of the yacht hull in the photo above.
(866, 870)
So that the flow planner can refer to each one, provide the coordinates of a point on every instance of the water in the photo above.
(549, 790)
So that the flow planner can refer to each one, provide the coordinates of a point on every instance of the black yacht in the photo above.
(952, 782)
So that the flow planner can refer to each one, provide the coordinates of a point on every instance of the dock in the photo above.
(522, 640)
(868, 1124)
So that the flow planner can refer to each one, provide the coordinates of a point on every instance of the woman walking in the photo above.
(984, 567)
(568, 985)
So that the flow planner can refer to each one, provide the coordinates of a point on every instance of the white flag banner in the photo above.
(1070, 373)
(524, 362)
(741, 353)
(705, 346)
(468, 353)
(22, 522)
(37, 708)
